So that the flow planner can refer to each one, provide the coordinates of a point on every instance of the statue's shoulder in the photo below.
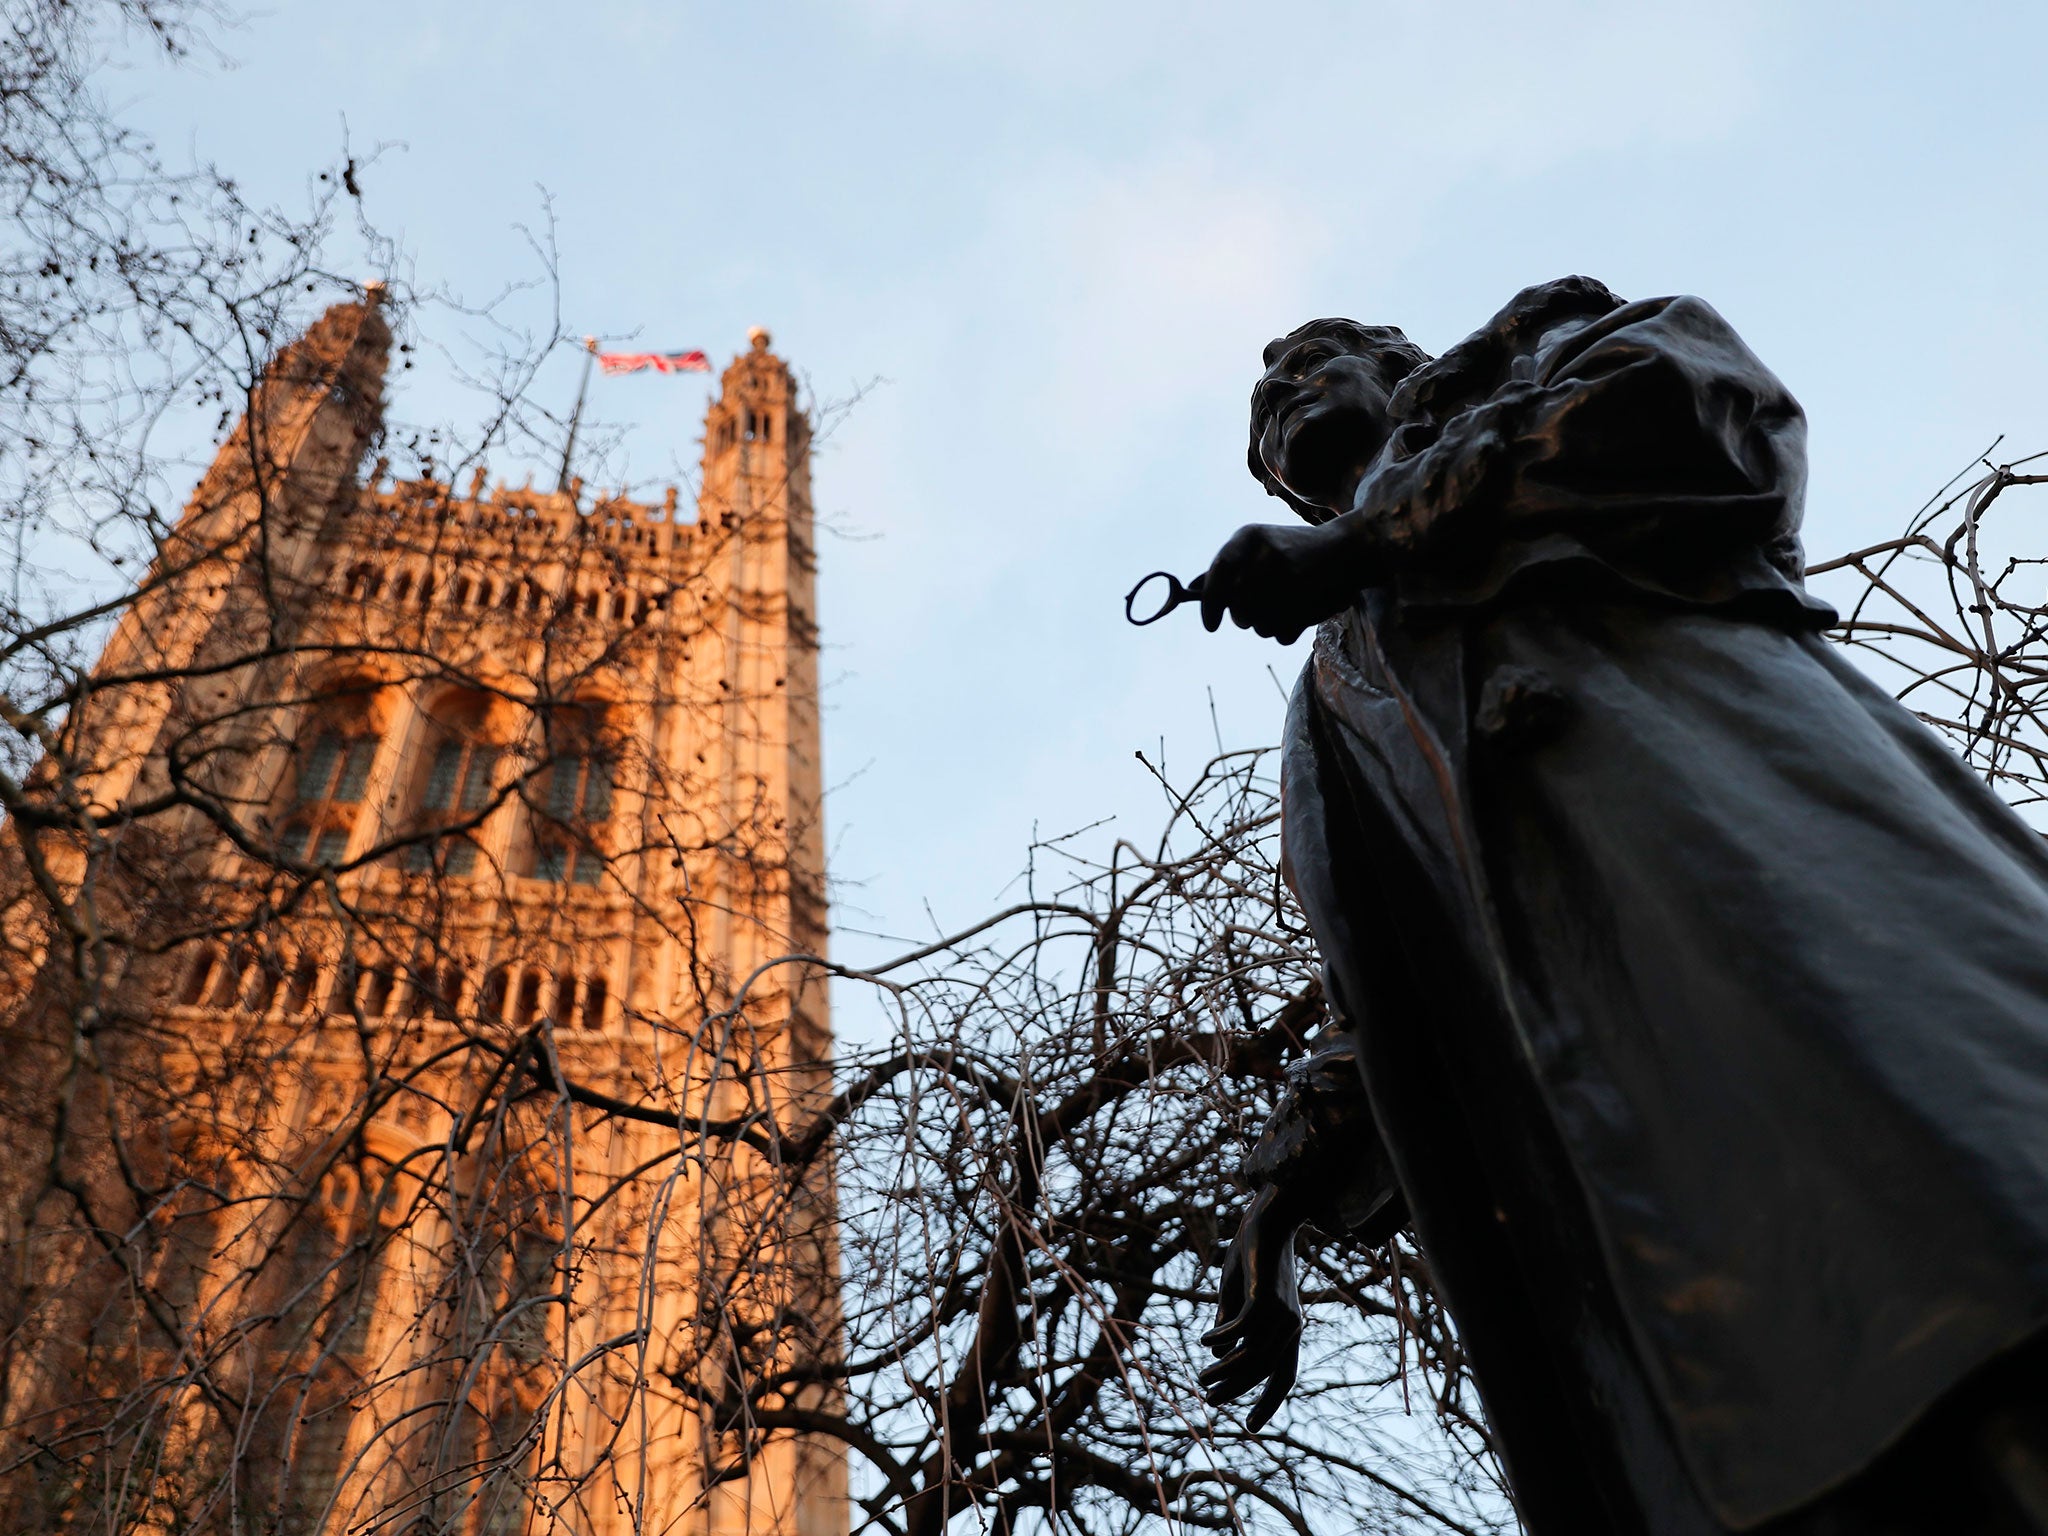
(1485, 360)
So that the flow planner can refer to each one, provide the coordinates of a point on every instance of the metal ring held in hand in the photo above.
(1176, 594)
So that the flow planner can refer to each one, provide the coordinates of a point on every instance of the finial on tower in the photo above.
(759, 336)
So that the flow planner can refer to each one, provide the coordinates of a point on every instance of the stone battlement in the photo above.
(524, 513)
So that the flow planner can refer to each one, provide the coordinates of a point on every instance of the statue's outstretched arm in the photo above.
(1654, 425)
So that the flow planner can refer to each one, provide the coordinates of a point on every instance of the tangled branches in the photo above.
(1034, 1186)
(419, 1114)
(1953, 616)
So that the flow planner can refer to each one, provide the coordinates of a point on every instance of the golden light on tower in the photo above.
(522, 825)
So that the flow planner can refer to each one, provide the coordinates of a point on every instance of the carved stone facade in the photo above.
(490, 847)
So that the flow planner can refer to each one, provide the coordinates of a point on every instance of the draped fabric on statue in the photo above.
(1700, 991)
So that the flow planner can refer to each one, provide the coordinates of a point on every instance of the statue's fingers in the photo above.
(1231, 1377)
(1230, 1305)
(1224, 1337)
(1239, 1358)
(1215, 598)
(1278, 1385)
(1229, 1330)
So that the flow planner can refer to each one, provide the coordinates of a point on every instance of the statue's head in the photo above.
(1319, 413)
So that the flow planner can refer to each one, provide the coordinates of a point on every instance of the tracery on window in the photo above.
(571, 802)
(453, 781)
(329, 776)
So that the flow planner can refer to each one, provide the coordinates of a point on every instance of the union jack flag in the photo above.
(660, 362)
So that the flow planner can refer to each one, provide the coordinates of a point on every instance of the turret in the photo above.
(312, 416)
(281, 473)
(757, 483)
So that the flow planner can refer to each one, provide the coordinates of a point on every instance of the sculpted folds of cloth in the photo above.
(1697, 994)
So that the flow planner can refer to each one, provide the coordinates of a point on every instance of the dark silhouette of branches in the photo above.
(1952, 613)
(419, 1111)
(1035, 1182)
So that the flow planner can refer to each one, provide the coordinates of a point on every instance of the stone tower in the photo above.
(466, 935)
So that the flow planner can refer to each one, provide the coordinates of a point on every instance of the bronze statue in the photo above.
(1700, 995)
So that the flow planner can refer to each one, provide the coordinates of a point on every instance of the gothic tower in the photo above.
(461, 846)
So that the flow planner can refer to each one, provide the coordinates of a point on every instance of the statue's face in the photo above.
(1320, 418)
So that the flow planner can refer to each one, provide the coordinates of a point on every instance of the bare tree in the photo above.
(347, 1185)
(1952, 615)
(1035, 1181)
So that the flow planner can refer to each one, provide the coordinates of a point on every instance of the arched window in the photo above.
(234, 975)
(335, 767)
(447, 996)
(452, 783)
(594, 998)
(434, 986)
(341, 995)
(575, 798)
(200, 977)
(298, 996)
(491, 1001)
(262, 987)
(322, 1279)
(330, 773)
(360, 985)
(526, 1004)
(504, 1411)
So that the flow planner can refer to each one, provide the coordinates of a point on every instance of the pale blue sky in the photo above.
(1061, 232)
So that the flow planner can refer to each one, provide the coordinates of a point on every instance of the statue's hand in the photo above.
(1259, 1332)
(1407, 501)
(1279, 580)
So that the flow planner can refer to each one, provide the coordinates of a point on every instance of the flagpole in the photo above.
(576, 416)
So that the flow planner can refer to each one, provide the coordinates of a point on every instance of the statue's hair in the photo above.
(1425, 391)
(1391, 352)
